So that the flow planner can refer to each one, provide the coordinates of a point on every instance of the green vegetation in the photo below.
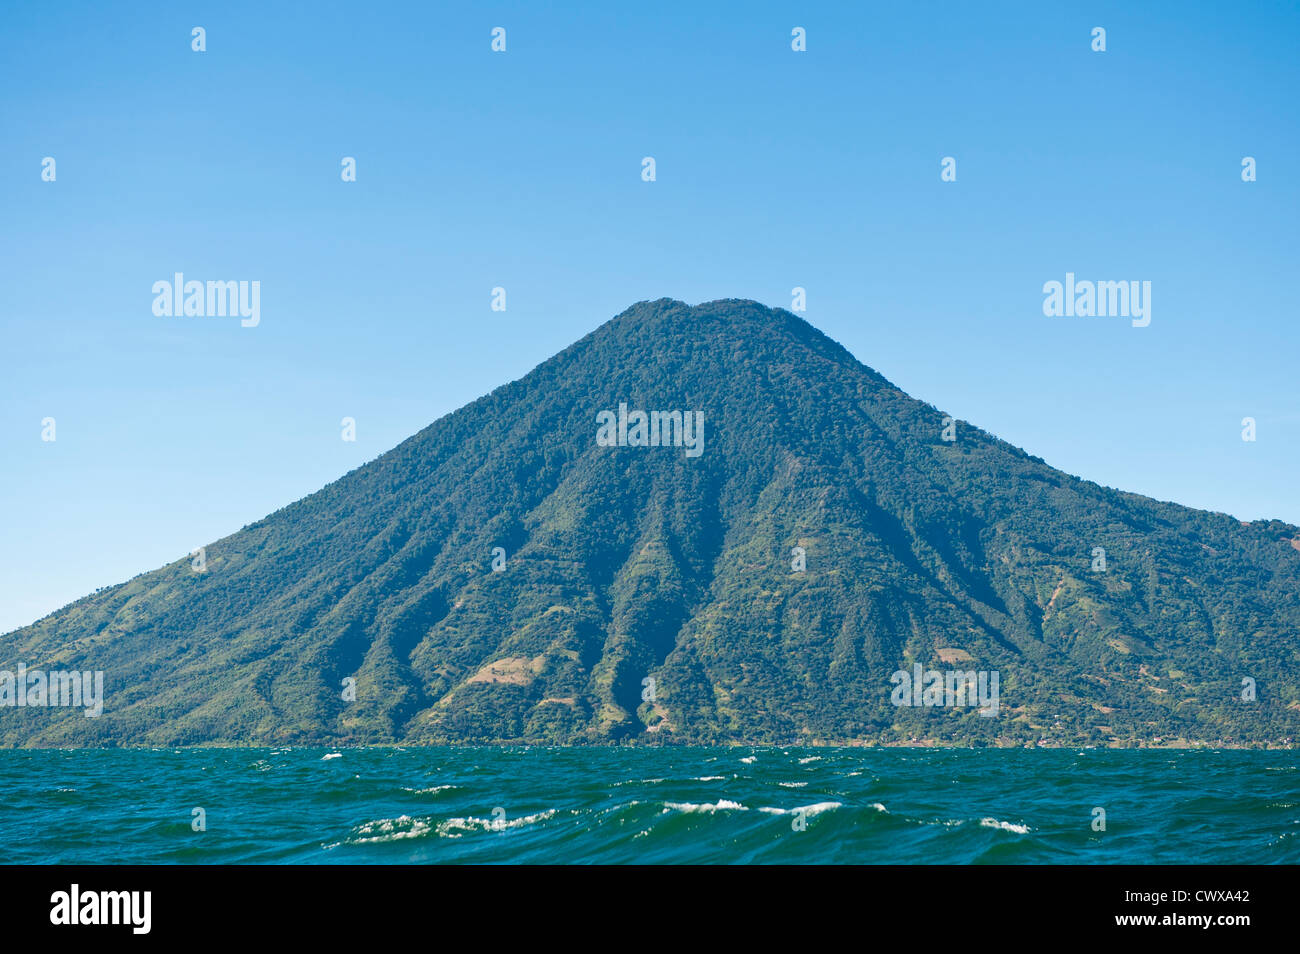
(625, 563)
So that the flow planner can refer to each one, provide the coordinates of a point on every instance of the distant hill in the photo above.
(624, 564)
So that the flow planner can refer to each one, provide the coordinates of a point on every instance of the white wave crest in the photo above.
(454, 827)
(1004, 826)
(816, 809)
(721, 805)
(391, 829)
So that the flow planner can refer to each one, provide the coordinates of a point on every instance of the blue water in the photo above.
(646, 806)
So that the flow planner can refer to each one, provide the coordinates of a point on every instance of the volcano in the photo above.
(704, 524)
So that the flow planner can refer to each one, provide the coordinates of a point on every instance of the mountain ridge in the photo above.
(625, 564)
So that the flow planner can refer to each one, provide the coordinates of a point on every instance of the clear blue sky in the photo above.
(475, 169)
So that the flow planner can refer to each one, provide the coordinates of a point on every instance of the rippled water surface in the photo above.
(640, 805)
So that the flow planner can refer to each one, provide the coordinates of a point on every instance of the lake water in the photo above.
(649, 806)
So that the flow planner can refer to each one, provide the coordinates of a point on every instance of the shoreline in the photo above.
(1170, 745)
